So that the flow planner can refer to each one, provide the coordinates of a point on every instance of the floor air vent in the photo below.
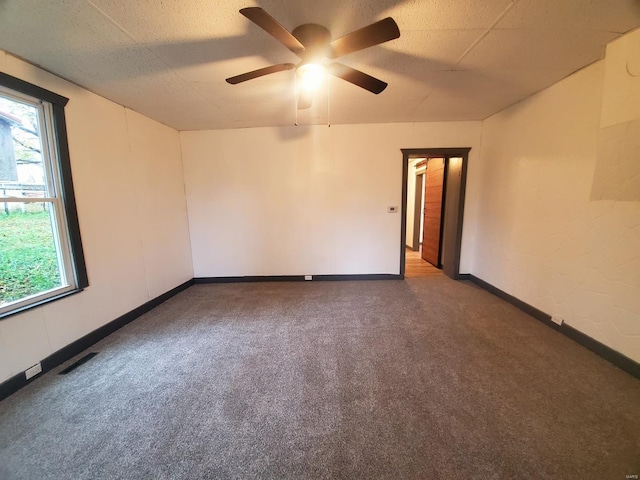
(75, 365)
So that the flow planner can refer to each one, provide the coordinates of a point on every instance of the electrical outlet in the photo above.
(33, 371)
(308, 277)
(392, 209)
(557, 319)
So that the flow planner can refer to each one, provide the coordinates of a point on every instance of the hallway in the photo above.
(415, 266)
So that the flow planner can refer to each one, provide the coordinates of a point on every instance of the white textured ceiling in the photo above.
(454, 60)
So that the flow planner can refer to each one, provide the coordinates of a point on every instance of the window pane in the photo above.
(28, 256)
(22, 172)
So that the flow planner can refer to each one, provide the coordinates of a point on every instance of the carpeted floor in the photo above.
(421, 379)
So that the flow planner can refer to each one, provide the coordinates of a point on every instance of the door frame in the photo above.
(417, 211)
(453, 239)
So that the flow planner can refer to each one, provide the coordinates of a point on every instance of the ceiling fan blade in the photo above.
(305, 99)
(374, 34)
(270, 25)
(261, 72)
(357, 77)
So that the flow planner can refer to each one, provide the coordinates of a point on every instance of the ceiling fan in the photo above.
(313, 43)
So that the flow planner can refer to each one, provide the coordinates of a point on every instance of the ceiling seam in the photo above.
(106, 15)
(486, 32)
(169, 67)
(125, 31)
(417, 106)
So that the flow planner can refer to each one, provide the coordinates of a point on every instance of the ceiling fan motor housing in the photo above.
(315, 39)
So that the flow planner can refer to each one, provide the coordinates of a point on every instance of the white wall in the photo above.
(128, 181)
(542, 235)
(307, 200)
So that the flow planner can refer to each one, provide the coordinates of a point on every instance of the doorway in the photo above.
(433, 189)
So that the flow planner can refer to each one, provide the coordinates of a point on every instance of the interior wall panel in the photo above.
(127, 174)
(542, 236)
(306, 200)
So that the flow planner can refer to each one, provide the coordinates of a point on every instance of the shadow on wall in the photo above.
(617, 171)
(287, 134)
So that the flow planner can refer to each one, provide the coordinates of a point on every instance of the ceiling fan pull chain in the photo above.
(328, 102)
(295, 96)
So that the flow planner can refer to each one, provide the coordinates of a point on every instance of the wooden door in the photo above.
(453, 216)
(434, 188)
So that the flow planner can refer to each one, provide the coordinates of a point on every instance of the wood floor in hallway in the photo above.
(415, 266)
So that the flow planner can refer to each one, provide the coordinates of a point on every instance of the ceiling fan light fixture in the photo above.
(311, 76)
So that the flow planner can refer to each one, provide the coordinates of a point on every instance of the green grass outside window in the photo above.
(28, 261)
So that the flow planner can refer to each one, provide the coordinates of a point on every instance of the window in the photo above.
(40, 249)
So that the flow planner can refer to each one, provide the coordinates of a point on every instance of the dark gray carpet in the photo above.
(427, 378)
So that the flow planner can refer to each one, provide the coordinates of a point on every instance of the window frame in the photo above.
(59, 177)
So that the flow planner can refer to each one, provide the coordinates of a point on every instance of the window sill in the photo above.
(39, 303)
